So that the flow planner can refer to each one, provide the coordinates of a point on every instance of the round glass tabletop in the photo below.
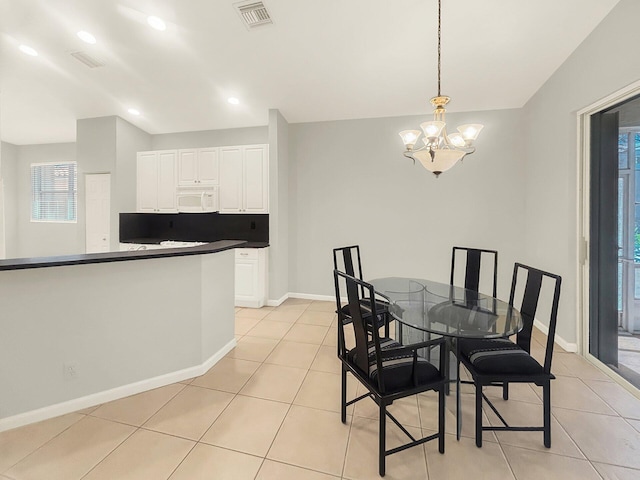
(447, 310)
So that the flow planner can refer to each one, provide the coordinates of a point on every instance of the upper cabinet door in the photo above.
(256, 179)
(147, 182)
(208, 166)
(231, 179)
(167, 181)
(188, 167)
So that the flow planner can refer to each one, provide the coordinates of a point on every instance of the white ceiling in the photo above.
(320, 60)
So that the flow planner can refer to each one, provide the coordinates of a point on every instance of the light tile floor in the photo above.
(269, 410)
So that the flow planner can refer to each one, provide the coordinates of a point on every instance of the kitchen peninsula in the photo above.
(81, 330)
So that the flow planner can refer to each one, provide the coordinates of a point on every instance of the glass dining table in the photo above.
(424, 307)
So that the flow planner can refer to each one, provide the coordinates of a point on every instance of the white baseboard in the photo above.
(249, 303)
(312, 296)
(98, 398)
(568, 346)
(277, 303)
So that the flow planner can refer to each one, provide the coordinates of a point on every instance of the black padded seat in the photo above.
(499, 356)
(382, 309)
(398, 370)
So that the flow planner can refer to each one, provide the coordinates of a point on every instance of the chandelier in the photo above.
(441, 151)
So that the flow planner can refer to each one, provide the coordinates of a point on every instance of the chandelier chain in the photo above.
(439, 35)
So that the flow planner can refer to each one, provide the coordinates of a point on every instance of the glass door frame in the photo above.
(583, 164)
(627, 255)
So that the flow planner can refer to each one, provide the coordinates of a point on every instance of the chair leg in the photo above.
(546, 394)
(382, 434)
(441, 419)
(478, 414)
(447, 365)
(505, 391)
(343, 396)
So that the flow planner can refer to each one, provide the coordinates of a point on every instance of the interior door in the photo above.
(603, 265)
(98, 224)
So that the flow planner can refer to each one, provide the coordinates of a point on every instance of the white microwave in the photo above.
(198, 201)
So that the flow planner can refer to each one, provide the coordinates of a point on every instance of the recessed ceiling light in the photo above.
(134, 111)
(157, 23)
(86, 37)
(233, 100)
(28, 50)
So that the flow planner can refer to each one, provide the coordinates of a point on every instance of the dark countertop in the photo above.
(156, 241)
(255, 245)
(80, 259)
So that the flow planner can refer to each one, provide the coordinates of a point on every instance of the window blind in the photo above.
(54, 193)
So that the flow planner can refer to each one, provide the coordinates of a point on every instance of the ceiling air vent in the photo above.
(87, 60)
(253, 14)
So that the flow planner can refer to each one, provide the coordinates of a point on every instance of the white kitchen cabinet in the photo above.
(244, 179)
(251, 277)
(156, 181)
(197, 167)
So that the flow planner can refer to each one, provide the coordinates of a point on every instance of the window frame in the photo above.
(33, 193)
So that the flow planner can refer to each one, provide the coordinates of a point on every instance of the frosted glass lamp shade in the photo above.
(409, 137)
(470, 131)
(456, 140)
(432, 129)
(442, 160)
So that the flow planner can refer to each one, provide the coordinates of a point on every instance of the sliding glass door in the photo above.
(614, 267)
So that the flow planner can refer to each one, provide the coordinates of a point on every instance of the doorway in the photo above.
(614, 230)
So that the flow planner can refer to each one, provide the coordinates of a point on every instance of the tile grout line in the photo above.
(38, 448)
(110, 452)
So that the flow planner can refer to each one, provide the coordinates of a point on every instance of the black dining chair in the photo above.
(387, 369)
(473, 259)
(499, 362)
(343, 261)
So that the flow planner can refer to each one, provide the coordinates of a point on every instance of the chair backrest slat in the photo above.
(529, 307)
(472, 272)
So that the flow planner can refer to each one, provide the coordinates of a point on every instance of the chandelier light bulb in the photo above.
(409, 138)
(470, 132)
(457, 140)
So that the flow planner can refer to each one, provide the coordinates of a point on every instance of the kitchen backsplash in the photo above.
(194, 227)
